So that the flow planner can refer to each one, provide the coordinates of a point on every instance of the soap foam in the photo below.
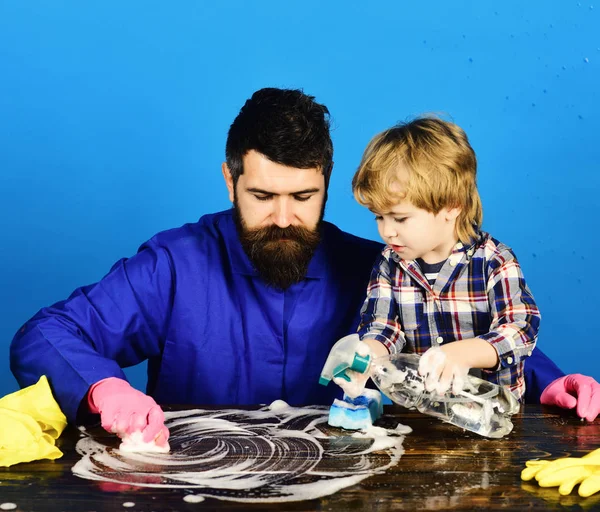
(193, 498)
(275, 454)
(134, 442)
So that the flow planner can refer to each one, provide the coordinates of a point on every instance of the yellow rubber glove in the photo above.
(30, 422)
(566, 473)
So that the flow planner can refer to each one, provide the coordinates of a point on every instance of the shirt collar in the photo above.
(241, 264)
(474, 242)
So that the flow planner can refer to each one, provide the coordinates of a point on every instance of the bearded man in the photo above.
(239, 308)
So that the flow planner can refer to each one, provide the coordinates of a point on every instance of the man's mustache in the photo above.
(275, 233)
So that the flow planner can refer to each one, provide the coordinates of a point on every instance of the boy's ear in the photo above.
(228, 180)
(452, 213)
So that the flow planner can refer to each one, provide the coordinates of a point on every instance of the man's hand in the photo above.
(572, 391)
(124, 410)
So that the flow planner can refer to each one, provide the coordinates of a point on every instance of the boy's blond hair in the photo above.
(427, 161)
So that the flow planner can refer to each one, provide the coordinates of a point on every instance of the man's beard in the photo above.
(280, 255)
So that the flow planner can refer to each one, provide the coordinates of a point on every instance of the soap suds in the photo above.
(278, 405)
(275, 454)
(134, 442)
(193, 498)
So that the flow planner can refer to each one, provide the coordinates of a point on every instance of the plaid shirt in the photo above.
(479, 292)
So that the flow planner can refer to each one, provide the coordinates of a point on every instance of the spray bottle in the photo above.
(481, 407)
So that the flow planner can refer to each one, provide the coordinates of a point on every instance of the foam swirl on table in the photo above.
(277, 453)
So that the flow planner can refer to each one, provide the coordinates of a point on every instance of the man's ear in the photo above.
(228, 180)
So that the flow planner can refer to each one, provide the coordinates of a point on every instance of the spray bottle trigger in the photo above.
(340, 372)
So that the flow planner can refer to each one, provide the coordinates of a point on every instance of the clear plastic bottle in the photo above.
(482, 407)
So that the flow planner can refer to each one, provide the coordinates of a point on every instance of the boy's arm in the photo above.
(513, 330)
(379, 314)
(379, 331)
(515, 318)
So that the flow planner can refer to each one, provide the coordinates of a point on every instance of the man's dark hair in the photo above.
(285, 125)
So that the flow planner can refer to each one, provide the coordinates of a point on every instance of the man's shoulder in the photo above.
(209, 227)
(350, 245)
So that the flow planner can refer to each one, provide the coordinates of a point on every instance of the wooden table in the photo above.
(443, 469)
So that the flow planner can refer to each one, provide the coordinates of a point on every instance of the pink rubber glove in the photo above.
(574, 390)
(124, 410)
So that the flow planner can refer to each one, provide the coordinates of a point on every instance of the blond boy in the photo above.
(440, 281)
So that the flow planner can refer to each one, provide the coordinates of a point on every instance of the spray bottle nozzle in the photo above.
(345, 355)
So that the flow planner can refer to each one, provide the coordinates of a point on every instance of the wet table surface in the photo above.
(443, 468)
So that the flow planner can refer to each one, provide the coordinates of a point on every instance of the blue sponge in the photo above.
(356, 413)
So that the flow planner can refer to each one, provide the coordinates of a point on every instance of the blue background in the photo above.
(113, 118)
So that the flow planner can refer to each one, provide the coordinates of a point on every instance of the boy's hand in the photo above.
(448, 366)
(124, 410)
(574, 390)
(356, 385)
(443, 369)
